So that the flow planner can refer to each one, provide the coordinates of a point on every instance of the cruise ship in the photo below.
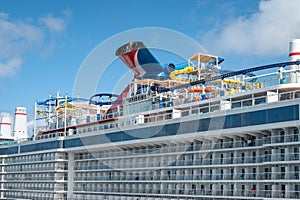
(178, 131)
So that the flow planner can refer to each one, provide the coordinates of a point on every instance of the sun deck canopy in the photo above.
(205, 58)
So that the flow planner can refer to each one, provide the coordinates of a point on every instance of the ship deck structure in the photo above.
(178, 131)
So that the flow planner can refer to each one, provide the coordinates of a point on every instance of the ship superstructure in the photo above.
(177, 131)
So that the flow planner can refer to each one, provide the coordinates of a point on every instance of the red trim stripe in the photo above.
(294, 54)
(3, 123)
(20, 113)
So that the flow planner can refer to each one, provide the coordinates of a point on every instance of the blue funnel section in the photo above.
(144, 57)
(150, 66)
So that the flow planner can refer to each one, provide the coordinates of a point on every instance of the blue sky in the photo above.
(44, 43)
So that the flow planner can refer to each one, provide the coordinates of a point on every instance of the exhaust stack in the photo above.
(294, 56)
(140, 60)
(5, 126)
(20, 125)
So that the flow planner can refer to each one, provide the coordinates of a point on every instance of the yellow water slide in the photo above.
(186, 70)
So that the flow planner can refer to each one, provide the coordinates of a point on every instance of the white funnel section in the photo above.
(20, 125)
(5, 126)
(294, 77)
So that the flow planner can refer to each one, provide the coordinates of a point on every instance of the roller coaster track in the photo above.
(234, 73)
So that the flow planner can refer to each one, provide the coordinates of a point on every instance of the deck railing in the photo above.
(187, 110)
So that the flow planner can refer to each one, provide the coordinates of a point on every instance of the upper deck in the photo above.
(197, 88)
(187, 109)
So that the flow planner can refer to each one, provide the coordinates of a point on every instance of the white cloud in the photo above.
(3, 15)
(16, 38)
(22, 36)
(266, 32)
(55, 24)
(10, 67)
